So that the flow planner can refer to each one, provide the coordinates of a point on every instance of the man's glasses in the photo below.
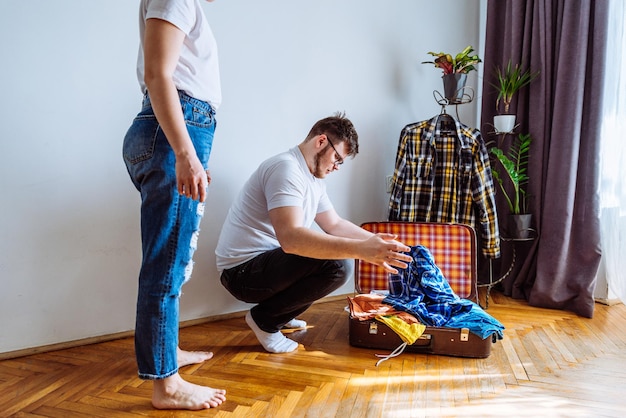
(339, 158)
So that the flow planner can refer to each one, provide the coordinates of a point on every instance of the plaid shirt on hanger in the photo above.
(445, 176)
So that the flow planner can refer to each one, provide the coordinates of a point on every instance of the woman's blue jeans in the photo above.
(283, 285)
(170, 224)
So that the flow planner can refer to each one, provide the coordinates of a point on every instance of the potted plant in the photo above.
(455, 69)
(514, 164)
(510, 80)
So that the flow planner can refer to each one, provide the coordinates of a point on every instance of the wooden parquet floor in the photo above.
(550, 363)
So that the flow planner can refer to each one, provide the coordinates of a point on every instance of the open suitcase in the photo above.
(453, 247)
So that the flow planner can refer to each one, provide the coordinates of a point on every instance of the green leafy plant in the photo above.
(463, 62)
(510, 80)
(514, 163)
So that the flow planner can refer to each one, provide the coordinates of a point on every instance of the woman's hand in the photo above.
(191, 178)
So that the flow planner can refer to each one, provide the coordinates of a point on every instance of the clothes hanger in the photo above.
(446, 122)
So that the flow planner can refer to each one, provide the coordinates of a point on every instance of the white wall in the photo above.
(69, 216)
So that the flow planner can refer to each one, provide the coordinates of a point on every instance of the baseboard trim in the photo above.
(608, 302)
(125, 334)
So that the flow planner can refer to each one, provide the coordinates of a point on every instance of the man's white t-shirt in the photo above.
(283, 180)
(197, 72)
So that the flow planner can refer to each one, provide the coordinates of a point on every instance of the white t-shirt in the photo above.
(197, 72)
(283, 180)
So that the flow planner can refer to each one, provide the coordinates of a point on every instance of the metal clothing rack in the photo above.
(466, 95)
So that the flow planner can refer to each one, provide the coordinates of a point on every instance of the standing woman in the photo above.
(166, 151)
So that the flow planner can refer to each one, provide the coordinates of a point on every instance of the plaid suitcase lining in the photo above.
(450, 245)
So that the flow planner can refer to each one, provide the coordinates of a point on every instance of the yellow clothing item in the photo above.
(408, 332)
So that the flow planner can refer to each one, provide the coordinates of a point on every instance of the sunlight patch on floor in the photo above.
(383, 380)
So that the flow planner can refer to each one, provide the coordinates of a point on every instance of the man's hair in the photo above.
(338, 128)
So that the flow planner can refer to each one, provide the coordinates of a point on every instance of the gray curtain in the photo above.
(564, 40)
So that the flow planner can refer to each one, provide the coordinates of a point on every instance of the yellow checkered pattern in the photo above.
(452, 245)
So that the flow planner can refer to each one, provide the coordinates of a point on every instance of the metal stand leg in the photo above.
(491, 282)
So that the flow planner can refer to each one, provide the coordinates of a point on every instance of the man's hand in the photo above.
(383, 250)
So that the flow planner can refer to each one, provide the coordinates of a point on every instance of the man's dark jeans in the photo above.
(283, 285)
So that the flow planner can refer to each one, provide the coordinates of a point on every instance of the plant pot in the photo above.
(519, 225)
(453, 85)
(504, 123)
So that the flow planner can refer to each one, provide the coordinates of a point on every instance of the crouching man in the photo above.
(267, 252)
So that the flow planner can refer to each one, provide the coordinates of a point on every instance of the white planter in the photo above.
(504, 123)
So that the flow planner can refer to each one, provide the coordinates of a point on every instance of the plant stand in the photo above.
(493, 282)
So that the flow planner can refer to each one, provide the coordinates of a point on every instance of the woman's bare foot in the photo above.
(175, 393)
(185, 358)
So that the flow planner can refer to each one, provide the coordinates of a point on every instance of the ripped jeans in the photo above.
(170, 226)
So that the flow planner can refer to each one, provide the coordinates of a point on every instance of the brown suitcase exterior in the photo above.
(457, 342)
(453, 247)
